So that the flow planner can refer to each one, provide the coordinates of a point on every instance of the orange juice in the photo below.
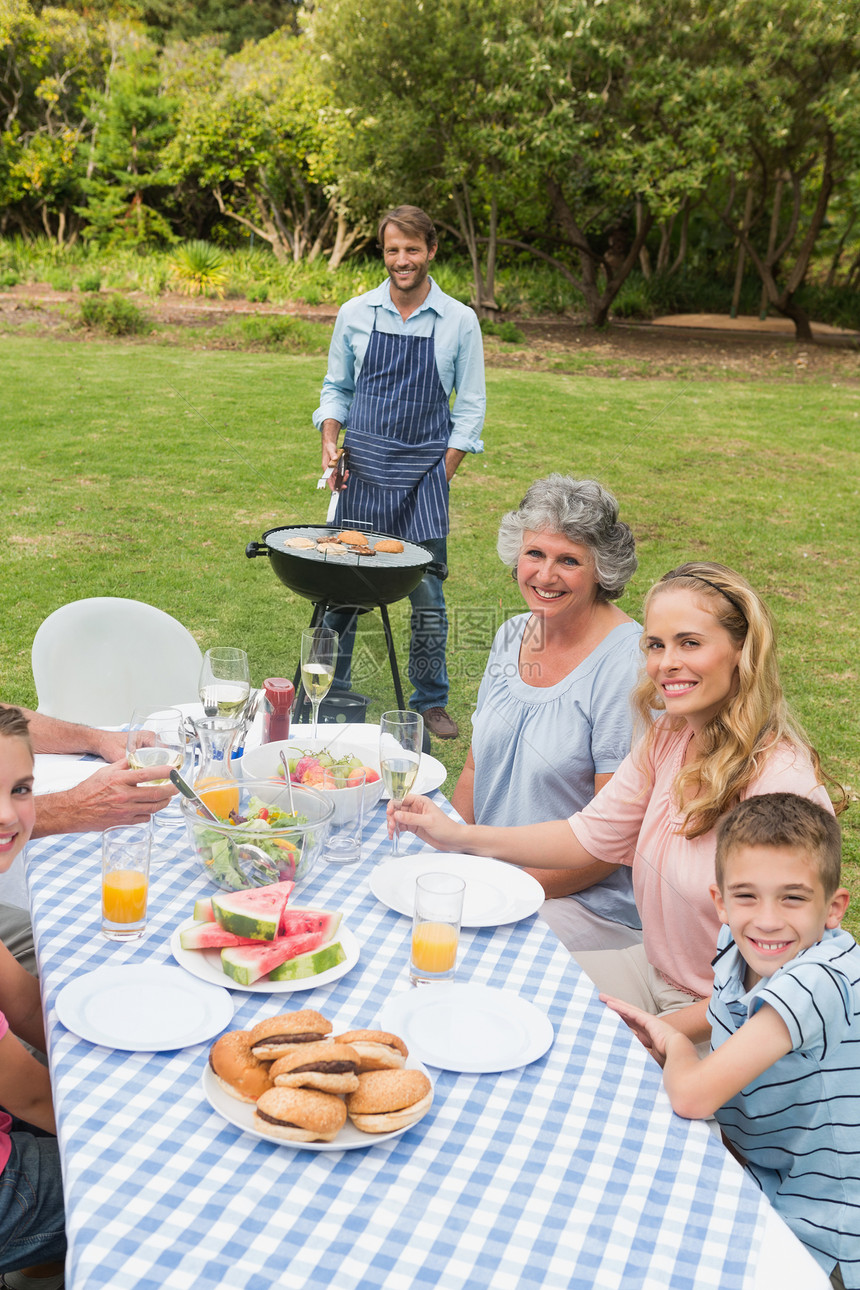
(220, 795)
(434, 947)
(124, 896)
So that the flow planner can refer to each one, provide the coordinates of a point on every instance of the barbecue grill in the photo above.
(349, 581)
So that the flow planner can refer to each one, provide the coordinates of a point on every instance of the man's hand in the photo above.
(110, 745)
(113, 795)
(453, 457)
(328, 436)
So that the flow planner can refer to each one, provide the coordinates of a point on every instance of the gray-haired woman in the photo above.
(553, 718)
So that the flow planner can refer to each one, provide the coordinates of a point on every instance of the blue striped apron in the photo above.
(397, 435)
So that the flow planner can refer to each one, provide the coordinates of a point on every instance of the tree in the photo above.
(257, 131)
(49, 66)
(794, 87)
(132, 122)
(421, 90)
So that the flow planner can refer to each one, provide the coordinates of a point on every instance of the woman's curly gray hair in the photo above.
(582, 511)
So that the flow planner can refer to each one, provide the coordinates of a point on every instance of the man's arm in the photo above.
(329, 432)
(453, 457)
(470, 403)
(50, 735)
(113, 795)
(697, 1087)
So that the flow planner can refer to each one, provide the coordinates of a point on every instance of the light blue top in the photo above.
(798, 1124)
(459, 356)
(537, 749)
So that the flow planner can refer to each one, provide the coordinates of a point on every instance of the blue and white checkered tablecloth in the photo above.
(570, 1172)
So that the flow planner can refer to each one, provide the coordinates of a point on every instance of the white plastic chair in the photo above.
(96, 660)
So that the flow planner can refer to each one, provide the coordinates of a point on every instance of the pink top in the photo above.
(633, 820)
(5, 1119)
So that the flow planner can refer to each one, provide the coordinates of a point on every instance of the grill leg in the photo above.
(392, 657)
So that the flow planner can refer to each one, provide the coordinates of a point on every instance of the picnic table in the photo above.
(571, 1171)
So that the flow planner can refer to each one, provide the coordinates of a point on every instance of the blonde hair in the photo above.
(754, 720)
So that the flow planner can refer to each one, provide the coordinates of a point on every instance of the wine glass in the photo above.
(156, 739)
(225, 682)
(319, 655)
(401, 736)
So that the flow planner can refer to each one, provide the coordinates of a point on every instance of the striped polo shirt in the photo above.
(798, 1124)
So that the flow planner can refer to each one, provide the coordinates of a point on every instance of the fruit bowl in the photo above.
(254, 854)
(265, 762)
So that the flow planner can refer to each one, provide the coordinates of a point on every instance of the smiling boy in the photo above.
(782, 1074)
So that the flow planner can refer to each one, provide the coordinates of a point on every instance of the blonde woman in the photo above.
(717, 730)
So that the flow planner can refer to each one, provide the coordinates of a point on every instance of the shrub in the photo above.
(258, 293)
(507, 331)
(90, 282)
(8, 278)
(199, 269)
(114, 315)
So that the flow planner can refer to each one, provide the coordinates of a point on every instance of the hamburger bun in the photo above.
(352, 537)
(389, 1100)
(389, 544)
(330, 1067)
(279, 1035)
(300, 1115)
(377, 1050)
(236, 1069)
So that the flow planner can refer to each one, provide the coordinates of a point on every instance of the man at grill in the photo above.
(397, 355)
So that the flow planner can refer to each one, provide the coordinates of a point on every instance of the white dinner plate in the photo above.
(206, 964)
(241, 1114)
(473, 1029)
(496, 893)
(362, 739)
(145, 1008)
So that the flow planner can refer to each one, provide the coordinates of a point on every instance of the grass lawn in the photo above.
(139, 470)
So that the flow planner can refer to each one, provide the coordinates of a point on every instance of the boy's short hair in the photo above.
(783, 820)
(14, 725)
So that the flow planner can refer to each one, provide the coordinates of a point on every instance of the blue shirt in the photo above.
(538, 748)
(798, 1124)
(459, 356)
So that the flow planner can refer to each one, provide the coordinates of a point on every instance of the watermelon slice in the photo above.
(295, 921)
(255, 913)
(211, 936)
(245, 964)
(305, 965)
(203, 911)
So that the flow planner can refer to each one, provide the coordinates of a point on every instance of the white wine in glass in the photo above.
(225, 682)
(401, 735)
(156, 739)
(319, 655)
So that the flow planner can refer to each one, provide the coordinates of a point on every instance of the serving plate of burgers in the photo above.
(290, 1080)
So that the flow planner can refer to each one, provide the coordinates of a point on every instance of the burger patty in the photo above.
(325, 1068)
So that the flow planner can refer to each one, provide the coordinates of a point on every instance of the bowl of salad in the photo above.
(257, 840)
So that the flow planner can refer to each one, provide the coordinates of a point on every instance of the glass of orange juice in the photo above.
(125, 880)
(436, 927)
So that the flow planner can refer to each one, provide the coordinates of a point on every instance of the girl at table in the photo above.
(32, 1223)
(716, 730)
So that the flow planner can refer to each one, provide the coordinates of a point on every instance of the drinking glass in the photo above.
(436, 927)
(319, 655)
(125, 880)
(343, 840)
(225, 682)
(156, 739)
(401, 736)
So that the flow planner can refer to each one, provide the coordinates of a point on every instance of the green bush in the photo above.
(258, 293)
(507, 331)
(199, 269)
(114, 315)
(90, 282)
(9, 278)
